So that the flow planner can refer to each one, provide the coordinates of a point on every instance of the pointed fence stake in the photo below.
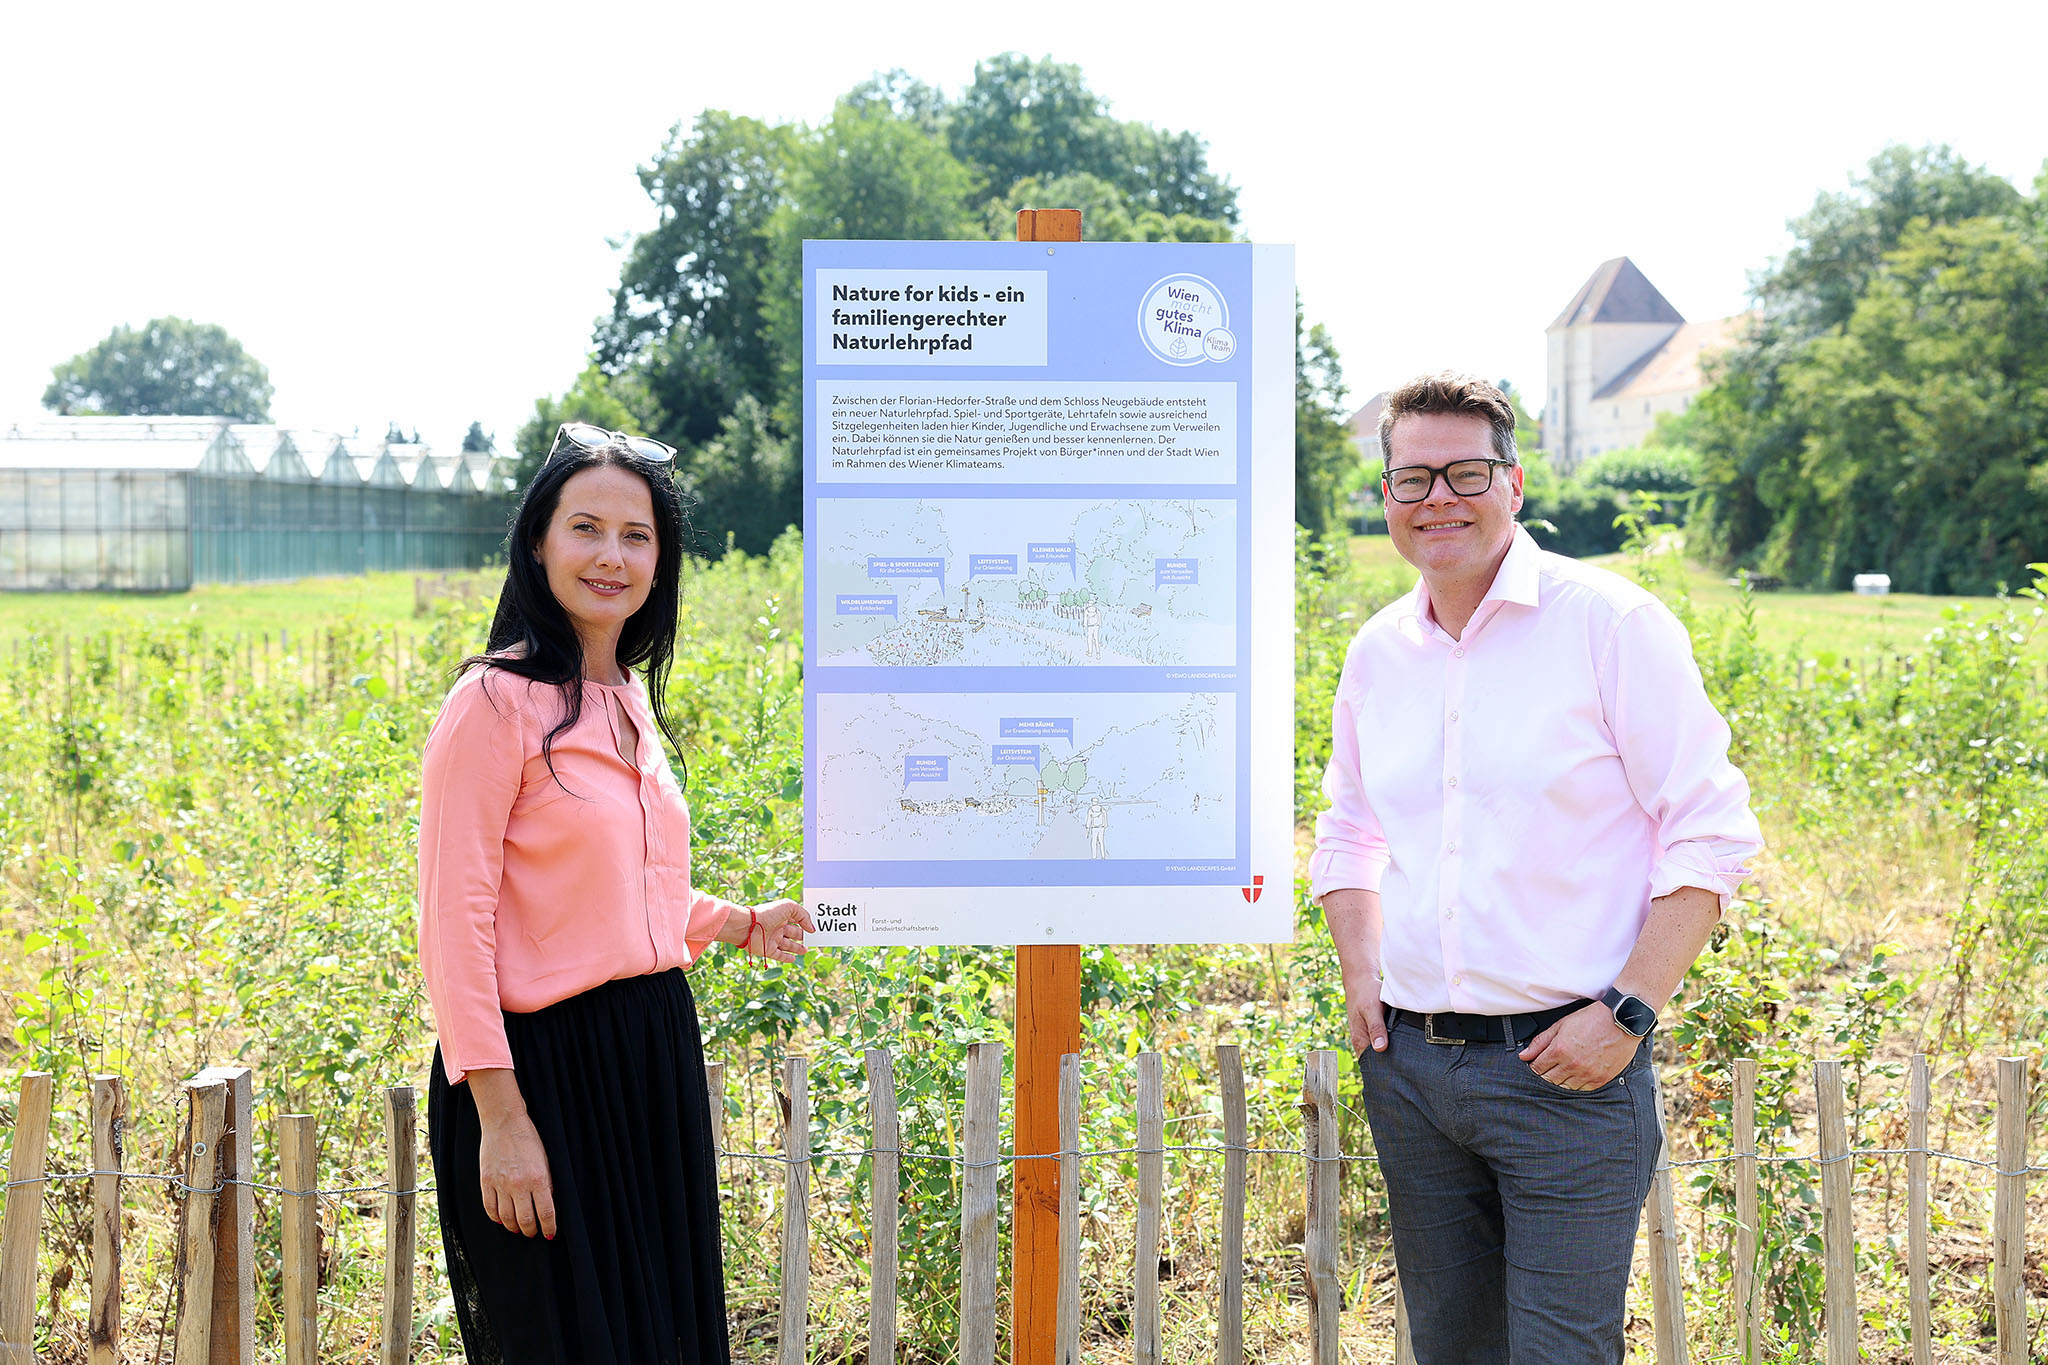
(978, 1205)
(234, 1228)
(1325, 1293)
(1918, 1102)
(401, 1173)
(109, 1120)
(1067, 1309)
(884, 1206)
(1230, 1277)
(194, 1333)
(1667, 1288)
(794, 1320)
(1749, 1316)
(1151, 1186)
(22, 1231)
(2009, 1214)
(1837, 1231)
(298, 1145)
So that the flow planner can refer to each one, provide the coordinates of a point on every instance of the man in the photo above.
(1533, 828)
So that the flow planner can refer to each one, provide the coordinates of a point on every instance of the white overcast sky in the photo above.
(404, 210)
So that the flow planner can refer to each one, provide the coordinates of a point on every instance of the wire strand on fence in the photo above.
(1011, 1158)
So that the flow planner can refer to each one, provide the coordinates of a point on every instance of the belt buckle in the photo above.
(1430, 1035)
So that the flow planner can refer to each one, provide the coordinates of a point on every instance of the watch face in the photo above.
(1634, 1015)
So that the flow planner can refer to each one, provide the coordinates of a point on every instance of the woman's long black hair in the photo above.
(532, 636)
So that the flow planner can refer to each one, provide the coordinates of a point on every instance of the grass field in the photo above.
(307, 604)
(1814, 623)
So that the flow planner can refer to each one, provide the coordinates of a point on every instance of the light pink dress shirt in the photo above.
(1519, 796)
(534, 890)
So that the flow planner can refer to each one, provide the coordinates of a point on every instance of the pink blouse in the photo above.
(531, 889)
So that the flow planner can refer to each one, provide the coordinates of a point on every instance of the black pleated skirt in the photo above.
(614, 1082)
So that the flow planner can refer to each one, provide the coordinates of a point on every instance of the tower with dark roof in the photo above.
(1614, 328)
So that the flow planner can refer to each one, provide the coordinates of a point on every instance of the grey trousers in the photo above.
(1514, 1201)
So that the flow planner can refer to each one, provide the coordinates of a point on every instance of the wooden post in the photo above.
(1069, 1307)
(1918, 1101)
(978, 1205)
(2009, 1214)
(1749, 1317)
(234, 1229)
(884, 1207)
(714, 1086)
(109, 1120)
(401, 1174)
(1048, 1028)
(1667, 1288)
(1837, 1232)
(1151, 1188)
(1230, 1268)
(298, 1145)
(208, 1101)
(1404, 1340)
(22, 1232)
(796, 1212)
(1319, 1115)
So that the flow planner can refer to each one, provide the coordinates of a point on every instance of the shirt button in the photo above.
(1454, 717)
(1449, 912)
(1457, 981)
(1450, 848)
(1454, 782)
(1457, 654)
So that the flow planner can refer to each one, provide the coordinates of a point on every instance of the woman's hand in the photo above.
(779, 935)
(512, 1165)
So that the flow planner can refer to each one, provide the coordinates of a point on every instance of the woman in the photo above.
(568, 1119)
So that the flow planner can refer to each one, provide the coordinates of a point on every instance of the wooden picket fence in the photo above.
(215, 1319)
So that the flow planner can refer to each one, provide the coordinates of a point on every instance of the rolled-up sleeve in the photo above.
(1351, 849)
(1674, 748)
(469, 778)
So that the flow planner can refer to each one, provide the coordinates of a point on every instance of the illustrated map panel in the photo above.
(930, 776)
(1020, 582)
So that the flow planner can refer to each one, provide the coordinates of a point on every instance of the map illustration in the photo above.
(1049, 582)
(938, 777)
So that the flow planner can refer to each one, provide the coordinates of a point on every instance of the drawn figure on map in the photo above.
(1091, 617)
(1098, 829)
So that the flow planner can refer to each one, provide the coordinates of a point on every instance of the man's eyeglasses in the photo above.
(588, 437)
(1466, 478)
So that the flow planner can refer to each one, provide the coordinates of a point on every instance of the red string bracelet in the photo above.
(753, 923)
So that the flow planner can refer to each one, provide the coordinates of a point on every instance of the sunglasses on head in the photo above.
(585, 436)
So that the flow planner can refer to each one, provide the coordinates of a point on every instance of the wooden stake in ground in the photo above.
(1837, 1231)
(978, 1204)
(234, 1222)
(23, 1228)
(298, 1144)
(1069, 1307)
(109, 1117)
(401, 1174)
(1048, 1028)
(2009, 1213)
(1151, 1186)
(884, 1207)
(1917, 1104)
(194, 1334)
(1749, 1317)
(1319, 1115)
(796, 1212)
(1667, 1290)
(1230, 1267)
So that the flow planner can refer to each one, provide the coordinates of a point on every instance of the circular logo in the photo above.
(1181, 318)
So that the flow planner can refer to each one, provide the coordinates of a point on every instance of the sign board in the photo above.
(1048, 603)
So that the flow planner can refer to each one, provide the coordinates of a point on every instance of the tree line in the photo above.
(1887, 410)
(702, 346)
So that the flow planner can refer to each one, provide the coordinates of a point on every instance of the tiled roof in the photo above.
(1674, 367)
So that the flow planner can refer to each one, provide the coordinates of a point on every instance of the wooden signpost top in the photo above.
(1048, 1027)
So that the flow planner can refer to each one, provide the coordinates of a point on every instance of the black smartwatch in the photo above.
(1632, 1015)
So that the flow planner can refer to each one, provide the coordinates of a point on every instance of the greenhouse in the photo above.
(158, 504)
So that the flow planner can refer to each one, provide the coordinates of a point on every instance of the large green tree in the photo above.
(166, 367)
(707, 313)
(1324, 455)
(1839, 413)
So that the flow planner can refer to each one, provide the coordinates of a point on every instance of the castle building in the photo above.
(1619, 355)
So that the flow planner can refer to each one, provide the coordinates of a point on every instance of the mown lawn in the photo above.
(377, 600)
(1817, 624)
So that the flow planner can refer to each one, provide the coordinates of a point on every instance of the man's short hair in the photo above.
(1449, 391)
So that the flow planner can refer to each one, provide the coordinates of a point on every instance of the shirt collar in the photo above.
(1515, 581)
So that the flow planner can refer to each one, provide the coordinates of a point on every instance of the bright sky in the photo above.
(405, 211)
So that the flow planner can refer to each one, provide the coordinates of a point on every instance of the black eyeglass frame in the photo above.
(1443, 472)
(568, 430)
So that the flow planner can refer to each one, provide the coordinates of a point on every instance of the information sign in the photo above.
(1048, 606)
